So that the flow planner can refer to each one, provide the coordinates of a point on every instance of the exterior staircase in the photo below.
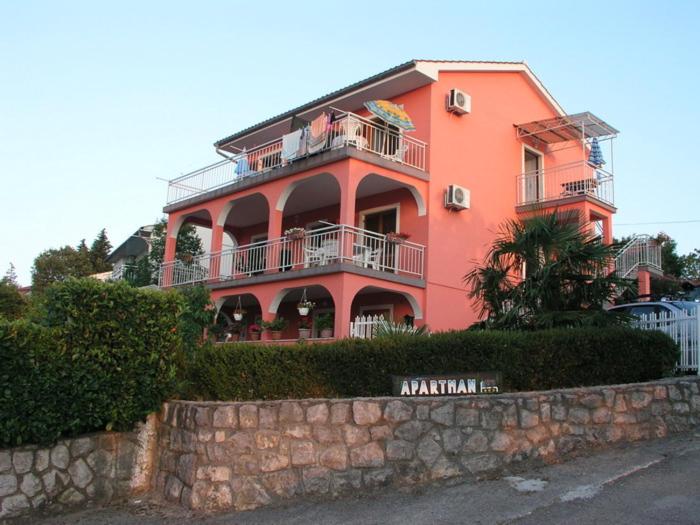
(640, 251)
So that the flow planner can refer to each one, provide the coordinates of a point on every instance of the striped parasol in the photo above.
(391, 113)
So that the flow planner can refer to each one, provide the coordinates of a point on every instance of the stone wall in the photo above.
(98, 468)
(215, 456)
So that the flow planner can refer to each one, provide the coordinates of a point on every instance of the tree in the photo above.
(566, 281)
(691, 266)
(188, 244)
(57, 265)
(12, 302)
(99, 251)
(671, 262)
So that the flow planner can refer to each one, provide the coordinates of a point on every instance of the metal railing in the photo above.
(348, 130)
(564, 181)
(320, 247)
(684, 328)
(641, 250)
(124, 271)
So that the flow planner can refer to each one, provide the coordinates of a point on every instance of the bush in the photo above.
(104, 356)
(356, 367)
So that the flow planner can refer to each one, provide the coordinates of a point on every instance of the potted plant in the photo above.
(295, 234)
(324, 323)
(238, 314)
(275, 327)
(254, 332)
(305, 306)
(304, 328)
(397, 237)
(233, 332)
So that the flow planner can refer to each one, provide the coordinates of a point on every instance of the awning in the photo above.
(567, 127)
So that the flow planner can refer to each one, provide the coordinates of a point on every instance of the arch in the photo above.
(410, 299)
(324, 182)
(313, 292)
(373, 183)
(244, 211)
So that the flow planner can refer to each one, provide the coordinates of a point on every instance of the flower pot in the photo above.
(303, 310)
(232, 338)
(254, 336)
(296, 236)
(237, 316)
(304, 333)
(327, 332)
(275, 335)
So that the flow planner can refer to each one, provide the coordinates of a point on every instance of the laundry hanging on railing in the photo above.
(317, 133)
(291, 144)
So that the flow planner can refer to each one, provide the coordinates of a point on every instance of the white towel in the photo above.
(290, 144)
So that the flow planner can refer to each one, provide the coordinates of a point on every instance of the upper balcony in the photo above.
(384, 144)
(563, 159)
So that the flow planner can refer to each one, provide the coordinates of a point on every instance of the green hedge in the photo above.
(102, 356)
(528, 360)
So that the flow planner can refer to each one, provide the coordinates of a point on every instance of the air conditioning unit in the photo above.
(456, 198)
(459, 102)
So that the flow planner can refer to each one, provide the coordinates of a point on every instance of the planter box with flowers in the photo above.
(275, 327)
(254, 332)
(304, 328)
(324, 324)
(295, 234)
(397, 237)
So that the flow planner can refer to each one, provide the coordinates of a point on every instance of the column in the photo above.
(217, 239)
(644, 282)
(273, 253)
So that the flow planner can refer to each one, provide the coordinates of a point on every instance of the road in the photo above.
(643, 483)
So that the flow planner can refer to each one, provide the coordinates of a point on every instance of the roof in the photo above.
(135, 245)
(399, 79)
(567, 127)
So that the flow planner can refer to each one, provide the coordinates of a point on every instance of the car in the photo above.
(656, 307)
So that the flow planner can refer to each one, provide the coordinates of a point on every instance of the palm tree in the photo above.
(545, 271)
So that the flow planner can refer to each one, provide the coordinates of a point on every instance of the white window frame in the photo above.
(541, 188)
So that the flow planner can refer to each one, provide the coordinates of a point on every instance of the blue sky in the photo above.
(97, 101)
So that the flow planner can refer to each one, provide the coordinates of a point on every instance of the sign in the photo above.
(447, 384)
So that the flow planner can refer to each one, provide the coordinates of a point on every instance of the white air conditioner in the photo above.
(459, 102)
(456, 198)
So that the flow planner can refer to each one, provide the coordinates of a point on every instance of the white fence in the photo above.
(365, 327)
(684, 328)
(348, 130)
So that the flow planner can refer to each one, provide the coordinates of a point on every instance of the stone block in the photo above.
(369, 455)
(317, 414)
(225, 417)
(366, 412)
(398, 450)
(380, 432)
(423, 412)
(443, 468)
(303, 453)
(592, 401)
(674, 393)
(467, 417)
(248, 416)
(81, 446)
(291, 412)
(248, 494)
(559, 412)
(22, 461)
(620, 403)
(340, 413)
(265, 439)
(579, 416)
(601, 415)
(355, 435)
(452, 440)
(245, 465)
(478, 441)
(272, 461)
(31, 485)
(501, 442)
(202, 417)
(267, 417)
(213, 473)
(327, 434)
(186, 469)
(444, 415)
(640, 400)
(528, 419)
(284, 484)
(490, 419)
(411, 430)
(623, 418)
(334, 457)
(42, 458)
(14, 505)
(316, 480)
(428, 450)
(5, 461)
(297, 431)
(681, 408)
(397, 411)
(71, 497)
(8, 484)
(346, 481)
(80, 473)
(379, 477)
(482, 463)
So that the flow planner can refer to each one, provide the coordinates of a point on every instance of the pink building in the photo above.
(490, 143)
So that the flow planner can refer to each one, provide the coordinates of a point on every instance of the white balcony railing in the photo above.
(321, 247)
(641, 250)
(565, 181)
(348, 130)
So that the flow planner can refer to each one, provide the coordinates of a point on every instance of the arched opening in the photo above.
(393, 306)
(321, 315)
(306, 202)
(245, 225)
(229, 309)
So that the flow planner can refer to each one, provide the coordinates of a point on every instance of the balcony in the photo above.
(348, 130)
(324, 250)
(566, 182)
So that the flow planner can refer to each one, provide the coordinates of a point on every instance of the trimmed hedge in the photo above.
(103, 356)
(354, 367)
